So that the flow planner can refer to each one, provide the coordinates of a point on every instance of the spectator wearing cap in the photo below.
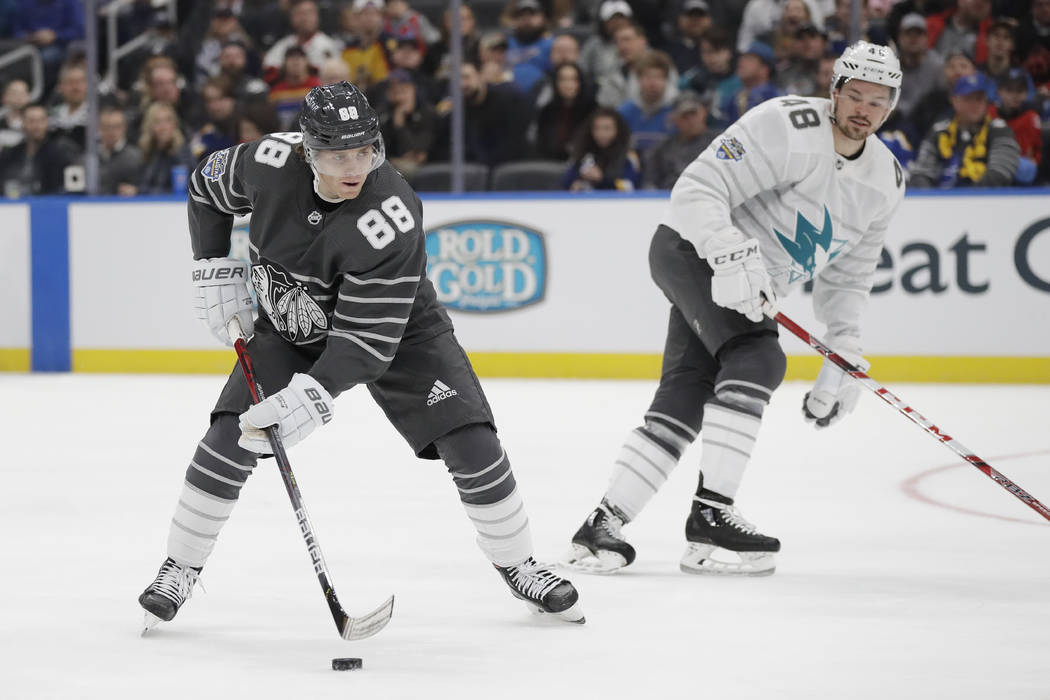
(692, 134)
(1001, 44)
(437, 61)
(972, 149)
(53, 27)
(306, 34)
(922, 69)
(1033, 42)
(692, 22)
(496, 120)
(962, 28)
(648, 114)
(529, 44)
(754, 68)
(291, 87)
(798, 74)
(1016, 110)
(400, 19)
(936, 105)
(599, 55)
(408, 123)
(561, 115)
(365, 54)
(405, 55)
(908, 7)
(234, 67)
(761, 18)
(223, 28)
(492, 58)
(602, 158)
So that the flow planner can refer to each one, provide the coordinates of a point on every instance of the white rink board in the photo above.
(15, 289)
(599, 297)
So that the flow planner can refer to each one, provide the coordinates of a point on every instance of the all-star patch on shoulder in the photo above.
(216, 165)
(730, 149)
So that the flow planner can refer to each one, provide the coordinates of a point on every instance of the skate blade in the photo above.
(149, 622)
(572, 614)
(698, 559)
(580, 559)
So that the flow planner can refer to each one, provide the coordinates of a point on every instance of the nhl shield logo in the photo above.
(314, 217)
(290, 308)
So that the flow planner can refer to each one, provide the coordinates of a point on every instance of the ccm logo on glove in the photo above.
(736, 255)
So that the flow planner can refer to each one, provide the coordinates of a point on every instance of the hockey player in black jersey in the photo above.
(338, 265)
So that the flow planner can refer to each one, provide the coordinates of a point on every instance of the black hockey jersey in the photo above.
(348, 280)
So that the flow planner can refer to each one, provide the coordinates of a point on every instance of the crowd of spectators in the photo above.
(623, 93)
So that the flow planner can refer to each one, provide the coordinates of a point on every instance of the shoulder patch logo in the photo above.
(216, 165)
(730, 149)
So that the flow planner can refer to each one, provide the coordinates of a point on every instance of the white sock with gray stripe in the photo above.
(199, 517)
(728, 438)
(503, 529)
(645, 461)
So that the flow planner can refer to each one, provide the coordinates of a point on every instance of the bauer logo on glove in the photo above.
(295, 411)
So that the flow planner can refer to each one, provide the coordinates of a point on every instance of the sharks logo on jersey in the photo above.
(286, 302)
(810, 248)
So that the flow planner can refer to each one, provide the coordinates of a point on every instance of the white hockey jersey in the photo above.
(775, 176)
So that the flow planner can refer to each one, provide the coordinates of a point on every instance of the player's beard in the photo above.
(852, 131)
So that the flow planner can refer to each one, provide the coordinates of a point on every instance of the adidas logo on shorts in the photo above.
(440, 392)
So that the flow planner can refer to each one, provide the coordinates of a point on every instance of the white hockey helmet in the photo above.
(871, 63)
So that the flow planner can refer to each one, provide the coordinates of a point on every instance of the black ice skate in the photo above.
(714, 523)
(543, 591)
(598, 547)
(172, 587)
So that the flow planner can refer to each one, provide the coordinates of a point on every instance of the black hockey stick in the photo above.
(913, 415)
(349, 627)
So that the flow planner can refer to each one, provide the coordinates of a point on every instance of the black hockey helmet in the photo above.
(336, 117)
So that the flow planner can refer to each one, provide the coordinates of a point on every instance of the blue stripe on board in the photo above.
(49, 265)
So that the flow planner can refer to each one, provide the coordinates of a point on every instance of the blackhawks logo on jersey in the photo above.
(285, 300)
(811, 248)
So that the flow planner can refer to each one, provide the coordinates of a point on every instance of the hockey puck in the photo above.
(347, 664)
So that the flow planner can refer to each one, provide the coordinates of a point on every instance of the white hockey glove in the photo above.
(835, 393)
(220, 293)
(296, 410)
(741, 280)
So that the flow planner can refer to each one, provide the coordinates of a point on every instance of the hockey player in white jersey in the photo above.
(798, 189)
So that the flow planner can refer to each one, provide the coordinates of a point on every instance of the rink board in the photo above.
(551, 285)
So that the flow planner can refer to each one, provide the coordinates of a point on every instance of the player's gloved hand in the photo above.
(835, 393)
(741, 281)
(220, 293)
(296, 410)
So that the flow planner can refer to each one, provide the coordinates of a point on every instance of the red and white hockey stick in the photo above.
(913, 415)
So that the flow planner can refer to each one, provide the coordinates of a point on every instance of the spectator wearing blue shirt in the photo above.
(529, 44)
(648, 114)
(51, 26)
(754, 68)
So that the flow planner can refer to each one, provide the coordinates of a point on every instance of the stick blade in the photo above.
(354, 628)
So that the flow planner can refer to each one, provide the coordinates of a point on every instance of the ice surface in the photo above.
(901, 576)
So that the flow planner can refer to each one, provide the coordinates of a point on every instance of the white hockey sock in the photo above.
(643, 466)
(199, 517)
(503, 529)
(728, 438)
